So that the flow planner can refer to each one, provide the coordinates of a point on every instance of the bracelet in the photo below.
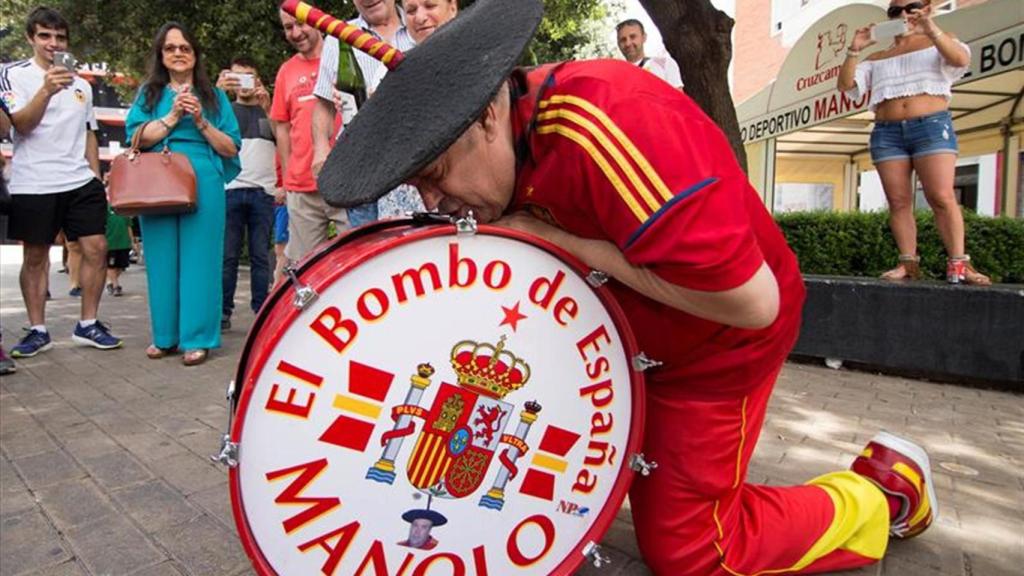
(164, 124)
(851, 52)
(937, 36)
(203, 126)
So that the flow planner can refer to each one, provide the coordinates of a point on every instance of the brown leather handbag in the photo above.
(151, 183)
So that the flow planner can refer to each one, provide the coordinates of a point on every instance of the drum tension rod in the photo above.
(595, 555)
(466, 226)
(638, 463)
(597, 278)
(641, 363)
(228, 454)
(304, 293)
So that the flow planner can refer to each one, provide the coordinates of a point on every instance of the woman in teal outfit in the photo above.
(184, 253)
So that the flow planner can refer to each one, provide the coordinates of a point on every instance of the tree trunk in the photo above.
(698, 36)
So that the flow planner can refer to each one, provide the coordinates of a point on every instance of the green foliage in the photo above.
(860, 244)
(119, 32)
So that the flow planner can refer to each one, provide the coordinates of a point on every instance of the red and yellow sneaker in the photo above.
(901, 470)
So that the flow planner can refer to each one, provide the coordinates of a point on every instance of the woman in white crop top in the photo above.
(910, 84)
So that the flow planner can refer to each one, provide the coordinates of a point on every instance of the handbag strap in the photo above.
(136, 143)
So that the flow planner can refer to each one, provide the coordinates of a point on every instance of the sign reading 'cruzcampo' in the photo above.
(805, 93)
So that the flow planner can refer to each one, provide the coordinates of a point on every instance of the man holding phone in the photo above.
(54, 180)
(250, 196)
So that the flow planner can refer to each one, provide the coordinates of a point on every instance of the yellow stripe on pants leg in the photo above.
(861, 521)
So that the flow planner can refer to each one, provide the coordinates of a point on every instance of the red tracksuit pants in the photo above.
(695, 514)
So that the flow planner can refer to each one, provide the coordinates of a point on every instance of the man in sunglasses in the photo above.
(910, 83)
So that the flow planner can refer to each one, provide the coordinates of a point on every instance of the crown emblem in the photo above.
(490, 370)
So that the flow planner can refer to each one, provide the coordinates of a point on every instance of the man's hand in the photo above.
(262, 96)
(227, 83)
(56, 79)
(280, 196)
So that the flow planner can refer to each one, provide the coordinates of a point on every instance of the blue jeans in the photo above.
(362, 214)
(250, 212)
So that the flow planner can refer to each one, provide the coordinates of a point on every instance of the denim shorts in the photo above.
(921, 136)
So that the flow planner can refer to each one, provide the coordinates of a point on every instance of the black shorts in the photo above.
(36, 218)
(118, 259)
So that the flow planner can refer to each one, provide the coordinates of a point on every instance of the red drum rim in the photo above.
(622, 482)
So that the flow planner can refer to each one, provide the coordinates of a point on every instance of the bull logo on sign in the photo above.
(829, 47)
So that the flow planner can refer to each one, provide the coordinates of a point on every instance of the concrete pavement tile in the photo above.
(162, 569)
(149, 409)
(70, 568)
(48, 468)
(28, 440)
(189, 473)
(178, 425)
(203, 443)
(59, 420)
(216, 501)
(155, 505)
(204, 547)
(72, 503)
(15, 499)
(621, 536)
(119, 423)
(114, 470)
(86, 441)
(112, 546)
(151, 446)
(88, 400)
(29, 543)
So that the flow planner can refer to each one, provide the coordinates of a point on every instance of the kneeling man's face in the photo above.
(419, 532)
(478, 172)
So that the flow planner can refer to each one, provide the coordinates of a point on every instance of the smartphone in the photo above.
(888, 29)
(245, 81)
(65, 60)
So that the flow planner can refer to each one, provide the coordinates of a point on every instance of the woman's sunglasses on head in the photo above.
(897, 11)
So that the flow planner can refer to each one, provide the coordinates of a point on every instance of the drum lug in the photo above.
(638, 464)
(641, 363)
(596, 555)
(596, 278)
(466, 226)
(304, 294)
(228, 452)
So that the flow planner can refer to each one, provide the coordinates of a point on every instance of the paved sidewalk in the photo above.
(104, 465)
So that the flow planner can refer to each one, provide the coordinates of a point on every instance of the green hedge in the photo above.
(860, 244)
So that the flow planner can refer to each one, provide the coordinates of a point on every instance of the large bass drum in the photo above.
(433, 399)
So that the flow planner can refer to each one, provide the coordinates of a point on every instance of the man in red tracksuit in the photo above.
(630, 176)
(625, 172)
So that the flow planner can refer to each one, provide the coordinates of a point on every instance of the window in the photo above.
(798, 197)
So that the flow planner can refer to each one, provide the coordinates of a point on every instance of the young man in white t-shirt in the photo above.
(631, 37)
(55, 179)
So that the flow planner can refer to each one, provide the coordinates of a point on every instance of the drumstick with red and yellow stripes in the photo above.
(352, 35)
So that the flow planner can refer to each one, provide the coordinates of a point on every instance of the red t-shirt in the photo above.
(609, 151)
(293, 103)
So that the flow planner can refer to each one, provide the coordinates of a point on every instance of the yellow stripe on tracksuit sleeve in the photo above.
(602, 162)
(861, 521)
(619, 135)
(609, 147)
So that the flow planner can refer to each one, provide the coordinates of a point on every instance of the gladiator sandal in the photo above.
(960, 271)
(909, 268)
